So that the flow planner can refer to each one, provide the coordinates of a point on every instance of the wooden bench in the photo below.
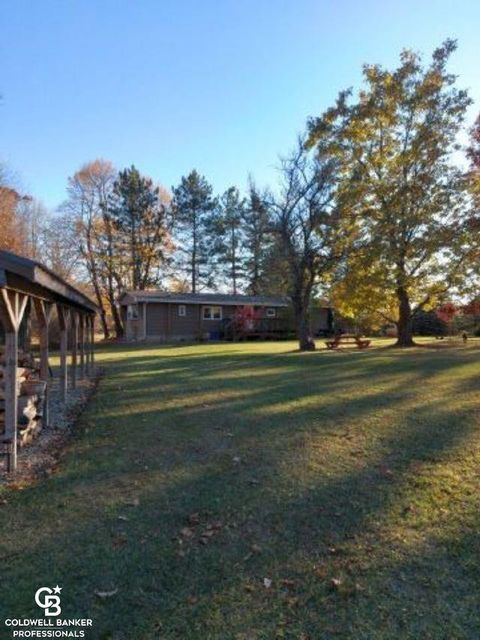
(347, 338)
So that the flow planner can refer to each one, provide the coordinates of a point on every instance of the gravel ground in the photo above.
(39, 458)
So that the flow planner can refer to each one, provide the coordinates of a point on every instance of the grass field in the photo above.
(247, 491)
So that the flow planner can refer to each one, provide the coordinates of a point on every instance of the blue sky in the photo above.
(223, 86)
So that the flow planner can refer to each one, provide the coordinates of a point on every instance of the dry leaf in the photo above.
(106, 594)
(292, 602)
(194, 518)
(290, 584)
(186, 532)
(335, 584)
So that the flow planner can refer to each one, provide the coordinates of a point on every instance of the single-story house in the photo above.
(164, 316)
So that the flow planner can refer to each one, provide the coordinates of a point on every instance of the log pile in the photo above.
(31, 397)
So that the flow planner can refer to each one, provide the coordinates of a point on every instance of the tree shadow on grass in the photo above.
(68, 530)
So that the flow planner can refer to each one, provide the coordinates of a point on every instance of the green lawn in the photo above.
(201, 473)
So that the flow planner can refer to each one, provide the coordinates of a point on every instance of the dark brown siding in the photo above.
(164, 323)
(156, 320)
(183, 327)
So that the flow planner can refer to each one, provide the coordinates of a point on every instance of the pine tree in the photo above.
(257, 231)
(227, 234)
(136, 210)
(192, 205)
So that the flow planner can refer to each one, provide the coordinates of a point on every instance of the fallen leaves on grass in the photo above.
(386, 472)
(254, 549)
(292, 602)
(103, 595)
(119, 541)
(345, 589)
(194, 519)
(335, 584)
(290, 584)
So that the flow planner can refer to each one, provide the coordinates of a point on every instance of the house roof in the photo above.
(42, 281)
(133, 297)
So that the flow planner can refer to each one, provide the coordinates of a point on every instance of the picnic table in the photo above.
(347, 339)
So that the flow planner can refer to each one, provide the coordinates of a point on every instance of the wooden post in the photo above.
(11, 392)
(12, 309)
(82, 343)
(44, 313)
(86, 331)
(63, 316)
(74, 317)
(92, 340)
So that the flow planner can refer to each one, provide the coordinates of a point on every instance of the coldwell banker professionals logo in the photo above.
(51, 625)
(49, 602)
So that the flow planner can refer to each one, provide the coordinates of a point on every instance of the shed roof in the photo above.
(30, 276)
(155, 295)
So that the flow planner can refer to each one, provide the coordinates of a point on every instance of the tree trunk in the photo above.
(93, 271)
(234, 261)
(117, 321)
(404, 324)
(302, 319)
(103, 315)
(194, 258)
(103, 322)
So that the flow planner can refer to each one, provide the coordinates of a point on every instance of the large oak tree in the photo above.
(395, 145)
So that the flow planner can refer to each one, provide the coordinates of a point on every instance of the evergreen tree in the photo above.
(227, 238)
(193, 204)
(257, 229)
(136, 210)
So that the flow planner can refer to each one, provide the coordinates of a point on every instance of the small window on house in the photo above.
(182, 310)
(271, 312)
(212, 313)
(132, 312)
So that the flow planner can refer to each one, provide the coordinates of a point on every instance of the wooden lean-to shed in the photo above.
(26, 288)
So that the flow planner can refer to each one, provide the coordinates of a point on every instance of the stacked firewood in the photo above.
(31, 397)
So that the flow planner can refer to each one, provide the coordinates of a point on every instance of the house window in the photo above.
(132, 312)
(182, 310)
(212, 313)
(271, 312)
